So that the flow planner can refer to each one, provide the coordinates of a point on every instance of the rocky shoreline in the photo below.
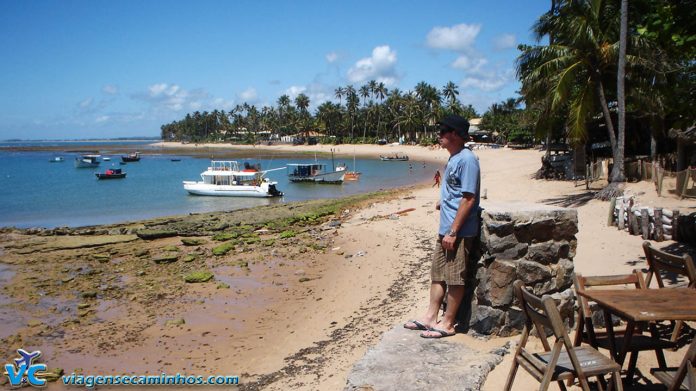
(118, 288)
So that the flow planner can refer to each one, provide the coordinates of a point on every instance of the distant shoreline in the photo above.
(416, 153)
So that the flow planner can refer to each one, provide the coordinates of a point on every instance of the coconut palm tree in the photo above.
(617, 174)
(364, 93)
(302, 103)
(339, 92)
(352, 106)
(572, 71)
(450, 91)
(380, 92)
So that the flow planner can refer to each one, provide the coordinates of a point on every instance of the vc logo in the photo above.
(25, 366)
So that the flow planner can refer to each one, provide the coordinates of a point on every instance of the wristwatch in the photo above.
(451, 232)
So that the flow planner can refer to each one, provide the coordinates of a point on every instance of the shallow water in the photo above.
(37, 193)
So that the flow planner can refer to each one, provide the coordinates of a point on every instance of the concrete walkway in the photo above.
(404, 361)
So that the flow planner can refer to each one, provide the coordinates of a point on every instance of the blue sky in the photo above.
(98, 69)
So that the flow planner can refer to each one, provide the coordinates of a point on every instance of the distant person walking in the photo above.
(436, 178)
(459, 225)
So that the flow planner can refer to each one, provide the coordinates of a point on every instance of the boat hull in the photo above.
(85, 164)
(392, 159)
(110, 176)
(204, 189)
(335, 177)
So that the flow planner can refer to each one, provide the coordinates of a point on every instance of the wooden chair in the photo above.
(683, 377)
(659, 262)
(556, 364)
(639, 341)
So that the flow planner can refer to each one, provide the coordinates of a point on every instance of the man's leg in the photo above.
(437, 294)
(455, 293)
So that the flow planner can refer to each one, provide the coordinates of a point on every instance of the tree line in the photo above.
(363, 115)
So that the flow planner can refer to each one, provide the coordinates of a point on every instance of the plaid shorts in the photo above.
(451, 266)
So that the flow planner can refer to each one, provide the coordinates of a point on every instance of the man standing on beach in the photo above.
(459, 225)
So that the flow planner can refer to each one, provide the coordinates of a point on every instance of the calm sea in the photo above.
(36, 193)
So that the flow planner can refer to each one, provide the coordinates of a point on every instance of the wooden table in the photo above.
(642, 305)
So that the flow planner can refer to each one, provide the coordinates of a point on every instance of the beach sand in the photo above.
(375, 275)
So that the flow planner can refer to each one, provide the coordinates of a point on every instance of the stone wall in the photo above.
(528, 242)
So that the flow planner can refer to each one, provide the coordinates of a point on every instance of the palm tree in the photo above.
(352, 106)
(339, 94)
(450, 92)
(365, 92)
(617, 174)
(429, 100)
(381, 93)
(569, 74)
(302, 103)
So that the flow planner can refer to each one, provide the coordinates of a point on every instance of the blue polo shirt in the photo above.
(462, 175)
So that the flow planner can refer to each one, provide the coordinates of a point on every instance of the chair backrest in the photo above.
(543, 313)
(582, 282)
(685, 369)
(660, 261)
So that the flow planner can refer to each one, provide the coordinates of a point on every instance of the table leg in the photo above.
(658, 352)
(610, 334)
(630, 326)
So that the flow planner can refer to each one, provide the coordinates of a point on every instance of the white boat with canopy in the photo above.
(87, 161)
(225, 178)
(315, 172)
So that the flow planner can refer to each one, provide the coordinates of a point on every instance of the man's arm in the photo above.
(465, 206)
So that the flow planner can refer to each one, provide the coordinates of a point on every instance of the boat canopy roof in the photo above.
(306, 165)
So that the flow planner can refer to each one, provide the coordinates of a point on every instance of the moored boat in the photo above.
(87, 161)
(56, 159)
(314, 172)
(131, 157)
(112, 173)
(349, 175)
(224, 178)
(394, 157)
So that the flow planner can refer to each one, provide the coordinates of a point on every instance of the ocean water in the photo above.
(36, 193)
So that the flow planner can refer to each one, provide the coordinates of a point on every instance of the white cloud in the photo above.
(110, 89)
(487, 85)
(223, 104)
(380, 66)
(249, 95)
(331, 57)
(459, 37)
(85, 104)
(293, 91)
(102, 118)
(470, 64)
(168, 97)
(505, 41)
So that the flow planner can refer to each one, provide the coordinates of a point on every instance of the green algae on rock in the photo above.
(192, 241)
(223, 248)
(198, 276)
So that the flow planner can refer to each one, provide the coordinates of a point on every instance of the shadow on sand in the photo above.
(573, 200)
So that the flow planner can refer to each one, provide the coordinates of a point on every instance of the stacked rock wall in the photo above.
(532, 243)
